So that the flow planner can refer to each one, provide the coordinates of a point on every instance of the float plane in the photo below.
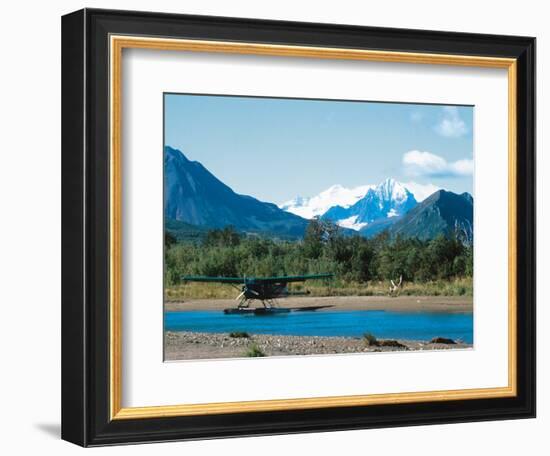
(264, 289)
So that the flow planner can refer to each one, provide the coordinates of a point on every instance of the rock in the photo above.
(391, 343)
(442, 340)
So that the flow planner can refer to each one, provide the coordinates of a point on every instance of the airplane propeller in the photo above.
(245, 289)
(240, 296)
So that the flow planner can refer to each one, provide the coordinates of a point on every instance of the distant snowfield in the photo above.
(338, 195)
(392, 213)
(351, 223)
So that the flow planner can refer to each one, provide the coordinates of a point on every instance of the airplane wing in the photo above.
(297, 278)
(250, 280)
(236, 280)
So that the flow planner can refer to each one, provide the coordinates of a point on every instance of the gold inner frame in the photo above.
(117, 44)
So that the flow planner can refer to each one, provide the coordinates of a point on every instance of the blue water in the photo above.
(351, 323)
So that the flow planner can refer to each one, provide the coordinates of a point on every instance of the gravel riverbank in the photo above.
(183, 345)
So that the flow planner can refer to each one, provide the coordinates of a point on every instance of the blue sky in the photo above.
(275, 149)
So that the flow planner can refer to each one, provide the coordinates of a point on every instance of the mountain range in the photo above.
(196, 200)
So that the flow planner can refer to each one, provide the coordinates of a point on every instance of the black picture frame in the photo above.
(85, 228)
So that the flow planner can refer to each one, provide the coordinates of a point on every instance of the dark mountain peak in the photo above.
(467, 197)
(438, 195)
(446, 196)
(175, 154)
(443, 212)
(170, 152)
(195, 196)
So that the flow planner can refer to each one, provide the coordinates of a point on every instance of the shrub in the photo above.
(370, 340)
(255, 352)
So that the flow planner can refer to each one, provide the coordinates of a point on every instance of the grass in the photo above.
(194, 290)
(456, 287)
(370, 340)
(254, 352)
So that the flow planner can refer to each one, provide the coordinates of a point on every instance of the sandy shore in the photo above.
(399, 303)
(193, 345)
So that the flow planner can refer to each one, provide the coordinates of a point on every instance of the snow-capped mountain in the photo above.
(337, 195)
(355, 207)
(388, 199)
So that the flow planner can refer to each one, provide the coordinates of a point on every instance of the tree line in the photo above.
(225, 252)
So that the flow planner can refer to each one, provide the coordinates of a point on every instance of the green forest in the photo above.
(441, 266)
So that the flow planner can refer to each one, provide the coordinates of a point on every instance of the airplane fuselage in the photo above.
(265, 291)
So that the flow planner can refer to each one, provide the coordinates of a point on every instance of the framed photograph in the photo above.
(278, 227)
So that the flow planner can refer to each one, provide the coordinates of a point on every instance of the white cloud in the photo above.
(451, 125)
(421, 191)
(426, 164)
